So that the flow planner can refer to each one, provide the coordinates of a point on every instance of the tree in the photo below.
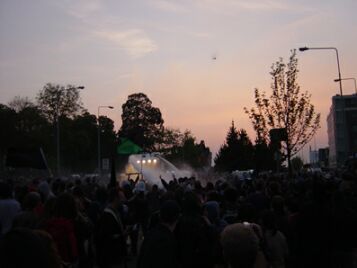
(79, 139)
(19, 103)
(182, 148)
(297, 163)
(57, 100)
(246, 151)
(263, 156)
(286, 108)
(236, 153)
(141, 122)
(7, 130)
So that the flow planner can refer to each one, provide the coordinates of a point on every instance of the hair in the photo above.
(113, 194)
(5, 190)
(240, 245)
(66, 206)
(191, 203)
(269, 221)
(169, 211)
(31, 200)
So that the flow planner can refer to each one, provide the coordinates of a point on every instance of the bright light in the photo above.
(138, 161)
(154, 161)
(149, 161)
(144, 161)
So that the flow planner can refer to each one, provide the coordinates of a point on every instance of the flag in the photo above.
(128, 147)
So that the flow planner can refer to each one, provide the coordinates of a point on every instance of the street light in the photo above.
(58, 128)
(302, 49)
(109, 107)
(350, 78)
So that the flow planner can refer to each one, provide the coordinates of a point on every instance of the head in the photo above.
(191, 203)
(31, 201)
(169, 213)
(5, 190)
(66, 206)
(25, 248)
(212, 211)
(114, 198)
(240, 245)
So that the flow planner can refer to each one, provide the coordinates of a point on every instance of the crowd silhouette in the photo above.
(273, 220)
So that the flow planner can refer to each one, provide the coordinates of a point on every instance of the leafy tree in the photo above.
(236, 152)
(297, 163)
(287, 107)
(33, 130)
(182, 148)
(263, 156)
(19, 103)
(171, 139)
(141, 122)
(108, 136)
(63, 101)
(7, 130)
(79, 140)
(246, 151)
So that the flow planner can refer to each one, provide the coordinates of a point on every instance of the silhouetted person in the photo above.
(159, 248)
(195, 235)
(61, 227)
(110, 234)
(9, 208)
(22, 248)
(241, 247)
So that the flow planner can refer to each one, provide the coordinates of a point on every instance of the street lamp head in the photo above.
(80, 87)
(337, 80)
(110, 107)
(302, 49)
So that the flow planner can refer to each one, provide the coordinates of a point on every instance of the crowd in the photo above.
(269, 221)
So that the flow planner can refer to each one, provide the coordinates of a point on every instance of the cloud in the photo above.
(135, 42)
(82, 9)
(169, 6)
(234, 6)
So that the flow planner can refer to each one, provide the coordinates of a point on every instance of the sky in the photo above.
(165, 49)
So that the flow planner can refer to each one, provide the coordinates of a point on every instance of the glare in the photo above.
(138, 161)
(154, 161)
(144, 161)
(149, 161)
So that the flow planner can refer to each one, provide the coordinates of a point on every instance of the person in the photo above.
(159, 248)
(138, 206)
(275, 241)
(110, 237)
(61, 227)
(195, 235)
(29, 217)
(9, 208)
(22, 247)
(240, 246)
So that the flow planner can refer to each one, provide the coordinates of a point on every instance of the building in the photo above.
(314, 157)
(342, 129)
(324, 157)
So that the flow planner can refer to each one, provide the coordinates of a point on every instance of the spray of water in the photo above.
(153, 165)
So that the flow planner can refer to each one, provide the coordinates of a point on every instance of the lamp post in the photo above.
(99, 165)
(58, 127)
(350, 78)
(345, 135)
(302, 49)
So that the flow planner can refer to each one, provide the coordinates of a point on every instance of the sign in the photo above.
(105, 163)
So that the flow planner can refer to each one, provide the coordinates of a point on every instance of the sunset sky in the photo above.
(165, 48)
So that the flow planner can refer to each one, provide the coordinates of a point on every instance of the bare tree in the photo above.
(19, 103)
